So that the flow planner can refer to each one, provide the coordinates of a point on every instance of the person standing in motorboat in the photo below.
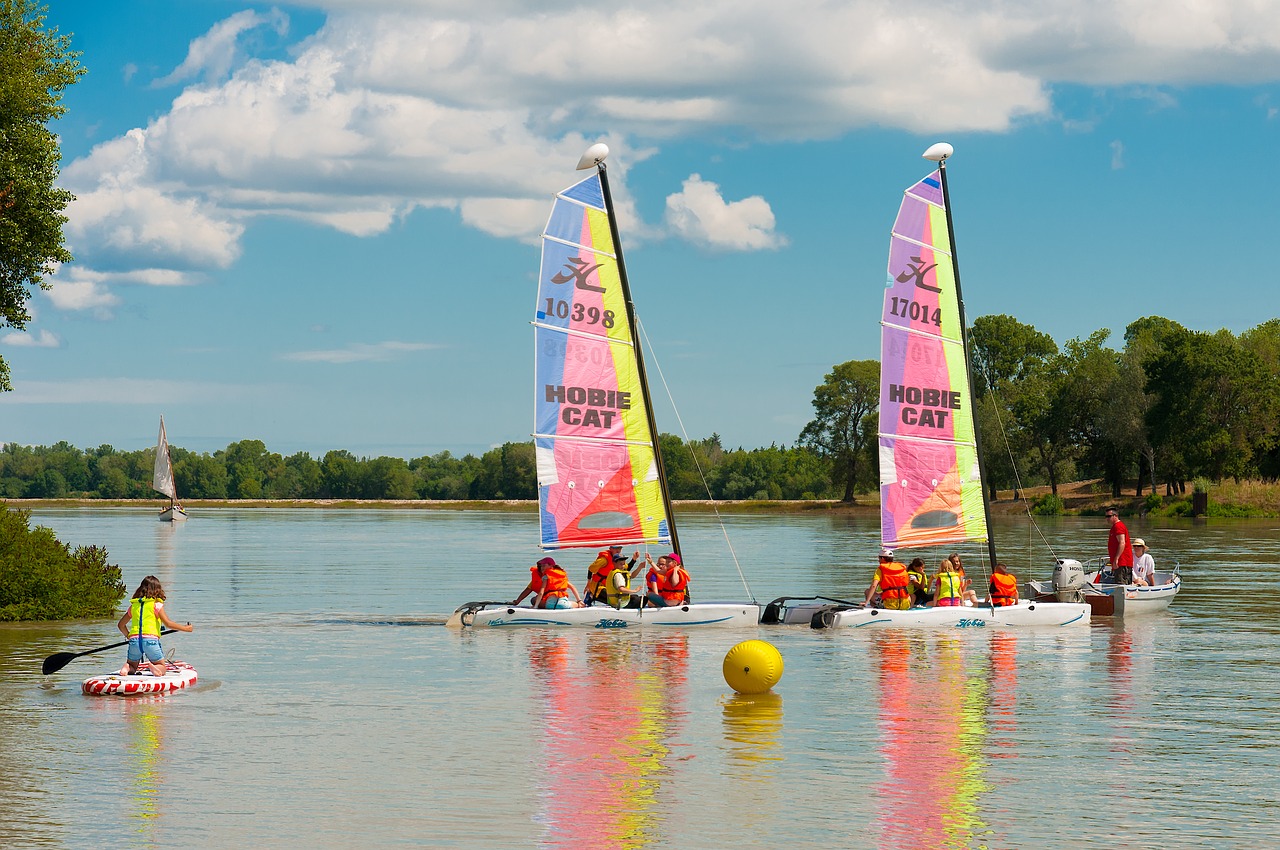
(1119, 551)
(1144, 566)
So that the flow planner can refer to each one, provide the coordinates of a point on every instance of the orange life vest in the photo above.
(1004, 589)
(597, 570)
(673, 592)
(557, 581)
(893, 581)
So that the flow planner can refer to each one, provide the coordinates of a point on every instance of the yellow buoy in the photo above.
(753, 667)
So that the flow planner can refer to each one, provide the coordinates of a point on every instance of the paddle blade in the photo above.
(57, 661)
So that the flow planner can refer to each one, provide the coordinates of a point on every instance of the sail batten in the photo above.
(594, 445)
(930, 482)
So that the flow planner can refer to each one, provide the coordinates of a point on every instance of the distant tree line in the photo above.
(1173, 405)
(248, 470)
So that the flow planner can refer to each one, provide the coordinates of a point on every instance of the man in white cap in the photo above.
(1144, 566)
(892, 582)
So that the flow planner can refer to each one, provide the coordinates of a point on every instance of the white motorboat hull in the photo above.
(702, 614)
(962, 617)
(173, 515)
(1127, 600)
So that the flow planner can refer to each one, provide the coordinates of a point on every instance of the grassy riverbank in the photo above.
(1079, 498)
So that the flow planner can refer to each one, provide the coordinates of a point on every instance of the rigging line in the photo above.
(701, 475)
(1017, 477)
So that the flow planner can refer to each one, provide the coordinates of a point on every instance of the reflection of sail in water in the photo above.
(1004, 693)
(610, 717)
(932, 731)
(165, 552)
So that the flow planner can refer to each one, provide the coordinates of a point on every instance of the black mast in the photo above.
(968, 367)
(635, 337)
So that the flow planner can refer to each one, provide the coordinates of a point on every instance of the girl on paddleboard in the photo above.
(142, 624)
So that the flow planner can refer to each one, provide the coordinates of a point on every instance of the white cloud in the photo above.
(699, 214)
(360, 352)
(1117, 155)
(395, 105)
(81, 290)
(213, 54)
(40, 339)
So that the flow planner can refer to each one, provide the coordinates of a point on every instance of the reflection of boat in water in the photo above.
(612, 707)
(142, 767)
(600, 476)
(931, 472)
(1089, 582)
(940, 712)
(162, 480)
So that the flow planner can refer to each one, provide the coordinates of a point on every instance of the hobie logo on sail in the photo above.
(591, 407)
(917, 272)
(924, 406)
(579, 269)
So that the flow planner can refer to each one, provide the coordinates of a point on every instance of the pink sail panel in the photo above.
(597, 478)
(930, 489)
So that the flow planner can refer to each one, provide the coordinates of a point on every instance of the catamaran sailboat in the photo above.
(162, 480)
(931, 487)
(600, 476)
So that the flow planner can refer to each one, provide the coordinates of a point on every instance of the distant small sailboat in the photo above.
(162, 480)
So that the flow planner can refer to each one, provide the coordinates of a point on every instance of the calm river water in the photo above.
(334, 710)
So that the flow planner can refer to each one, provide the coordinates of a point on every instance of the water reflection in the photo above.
(612, 710)
(940, 699)
(142, 768)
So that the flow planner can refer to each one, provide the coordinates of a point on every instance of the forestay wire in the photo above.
(684, 435)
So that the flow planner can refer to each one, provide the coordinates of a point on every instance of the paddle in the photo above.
(58, 660)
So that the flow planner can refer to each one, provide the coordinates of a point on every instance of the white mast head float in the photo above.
(594, 156)
(936, 152)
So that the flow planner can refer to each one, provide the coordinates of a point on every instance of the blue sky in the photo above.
(316, 224)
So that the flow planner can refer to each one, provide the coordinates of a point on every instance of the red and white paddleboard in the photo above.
(180, 675)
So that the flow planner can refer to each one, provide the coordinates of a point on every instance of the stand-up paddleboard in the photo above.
(180, 675)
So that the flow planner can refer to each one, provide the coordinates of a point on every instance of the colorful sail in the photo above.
(162, 476)
(598, 478)
(930, 488)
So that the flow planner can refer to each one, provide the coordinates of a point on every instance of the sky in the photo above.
(316, 224)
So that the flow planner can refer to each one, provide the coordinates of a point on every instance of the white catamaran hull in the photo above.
(977, 616)
(702, 614)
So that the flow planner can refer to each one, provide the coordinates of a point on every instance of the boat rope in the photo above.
(684, 435)
(1017, 479)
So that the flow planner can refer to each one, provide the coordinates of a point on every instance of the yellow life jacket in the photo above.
(611, 593)
(142, 618)
(950, 586)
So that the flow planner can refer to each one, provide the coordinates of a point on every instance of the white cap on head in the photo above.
(886, 553)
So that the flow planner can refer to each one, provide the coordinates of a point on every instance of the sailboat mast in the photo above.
(968, 366)
(644, 380)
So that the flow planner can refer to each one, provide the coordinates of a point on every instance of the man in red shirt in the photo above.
(1119, 550)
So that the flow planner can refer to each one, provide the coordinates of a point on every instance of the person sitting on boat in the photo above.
(617, 586)
(1119, 551)
(1144, 566)
(948, 586)
(597, 572)
(671, 585)
(1003, 587)
(892, 582)
(550, 586)
(969, 596)
(918, 581)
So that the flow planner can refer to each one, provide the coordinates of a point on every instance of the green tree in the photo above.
(843, 403)
(36, 66)
(42, 579)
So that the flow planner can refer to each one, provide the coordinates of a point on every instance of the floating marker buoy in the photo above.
(753, 667)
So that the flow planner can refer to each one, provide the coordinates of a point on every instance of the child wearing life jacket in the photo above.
(550, 586)
(948, 585)
(671, 586)
(1003, 587)
(617, 589)
(142, 625)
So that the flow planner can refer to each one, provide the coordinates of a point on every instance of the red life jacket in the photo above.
(673, 593)
(893, 581)
(557, 581)
(1004, 589)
